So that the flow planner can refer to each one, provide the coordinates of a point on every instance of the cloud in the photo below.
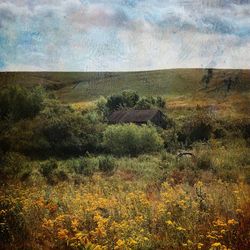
(123, 34)
(96, 15)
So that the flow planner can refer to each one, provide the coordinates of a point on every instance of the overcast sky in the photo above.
(118, 35)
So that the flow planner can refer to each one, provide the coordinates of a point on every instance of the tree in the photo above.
(128, 98)
(207, 77)
(17, 102)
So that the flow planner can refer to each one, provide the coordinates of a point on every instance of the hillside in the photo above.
(75, 87)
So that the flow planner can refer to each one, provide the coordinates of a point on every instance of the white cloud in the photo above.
(123, 34)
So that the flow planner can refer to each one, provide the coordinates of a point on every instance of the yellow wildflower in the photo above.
(211, 237)
(98, 247)
(63, 234)
(120, 243)
(220, 223)
(216, 244)
(181, 229)
(232, 222)
(74, 223)
(200, 245)
(199, 184)
(132, 241)
(239, 211)
(169, 222)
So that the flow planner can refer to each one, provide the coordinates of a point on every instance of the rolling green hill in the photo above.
(78, 86)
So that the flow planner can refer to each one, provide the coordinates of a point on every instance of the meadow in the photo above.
(69, 180)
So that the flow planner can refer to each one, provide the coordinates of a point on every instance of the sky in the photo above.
(123, 35)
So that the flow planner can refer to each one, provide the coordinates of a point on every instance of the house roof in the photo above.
(125, 116)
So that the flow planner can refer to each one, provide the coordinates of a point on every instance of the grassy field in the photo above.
(72, 87)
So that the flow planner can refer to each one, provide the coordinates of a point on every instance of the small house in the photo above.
(138, 117)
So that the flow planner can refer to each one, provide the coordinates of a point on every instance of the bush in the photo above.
(197, 128)
(48, 168)
(128, 98)
(85, 165)
(144, 103)
(13, 165)
(106, 164)
(220, 133)
(72, 133)
(17, 102)
(171, 144)
(150, 102)
(130, 139)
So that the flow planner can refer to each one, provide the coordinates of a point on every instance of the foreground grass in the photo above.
(150, 202)
(106, 214)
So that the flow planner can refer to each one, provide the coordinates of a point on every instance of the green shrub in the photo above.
(130, 139)
(107, 164)
(48, 168)
(144, 103)
(72, 133)
(53, 174)
(219, 133)
(170, 137)
(13, 165)
(85, 165)
(128, 98)
(62, 175)
(150, 102)
(199, 127)
(17, 102)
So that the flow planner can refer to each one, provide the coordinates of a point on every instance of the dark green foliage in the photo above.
(62, 175)
(85, 166)
(207, 77)
(13, 165)
(57, 131)
(244, 127)
(219, 133)
(130, 99)
(144, 103)
(71, 133)
(48, 168)
(51, 172)
(21, 137)
(130, 139)
(12, 223)
(150, 102)
(197, 128)
(106, 164)
(170, 137)
(17, 102)
(201, 131)
(127, 98)
(114, 102)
